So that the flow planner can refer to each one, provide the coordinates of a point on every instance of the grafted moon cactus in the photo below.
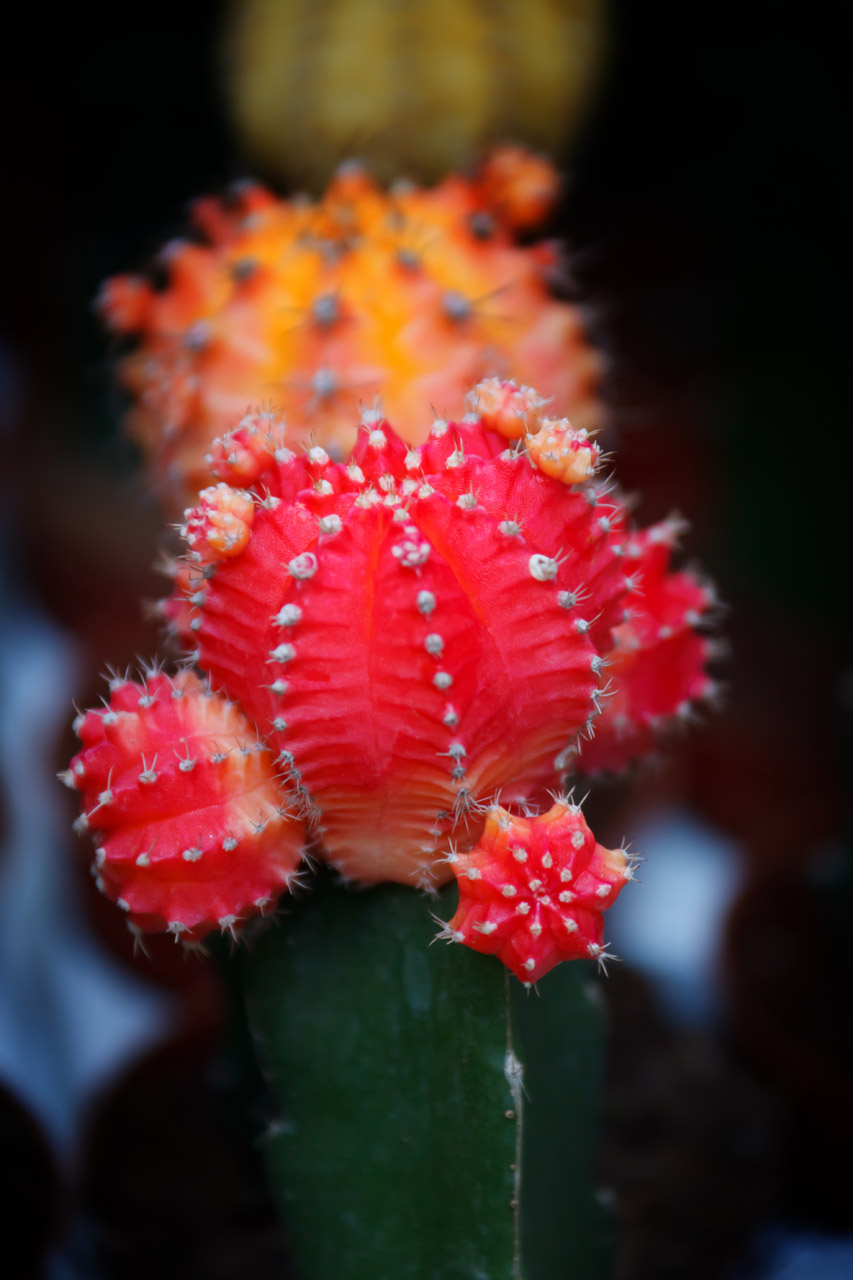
(408, 650)
(409, 297)
(410, 634)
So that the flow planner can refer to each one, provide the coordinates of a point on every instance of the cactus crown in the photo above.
(533, 890)
(392, 642)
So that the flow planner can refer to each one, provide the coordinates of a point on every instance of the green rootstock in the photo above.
(436, 1120)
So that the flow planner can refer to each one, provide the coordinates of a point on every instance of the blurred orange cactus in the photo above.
(403, 299)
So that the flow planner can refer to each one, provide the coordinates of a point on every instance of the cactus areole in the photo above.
(408, 650)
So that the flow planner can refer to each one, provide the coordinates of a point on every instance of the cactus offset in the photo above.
(659, 657)
(407, 298)
(533, 890)
(190, 826)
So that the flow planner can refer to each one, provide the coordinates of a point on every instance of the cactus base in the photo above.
(436, 1119)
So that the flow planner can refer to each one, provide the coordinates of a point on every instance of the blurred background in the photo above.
(704, 214)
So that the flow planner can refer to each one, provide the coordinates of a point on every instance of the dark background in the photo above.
(708, 224)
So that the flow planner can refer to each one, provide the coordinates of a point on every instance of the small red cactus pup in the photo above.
(659, 655)
(191, 831)
(404, 636)
(533, 890)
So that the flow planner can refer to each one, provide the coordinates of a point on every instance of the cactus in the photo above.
(416, 88)
(385, 624)
(191, 829)
(533, 890)
(405, 652)
(404, 299)
(659, 657)
(437, 1119)
(406, 655)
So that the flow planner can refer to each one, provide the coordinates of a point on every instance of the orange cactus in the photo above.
(406, 298)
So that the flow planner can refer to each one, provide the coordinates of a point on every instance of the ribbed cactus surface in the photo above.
(402, 651)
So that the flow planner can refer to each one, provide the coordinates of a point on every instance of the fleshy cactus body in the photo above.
(660, 654)
(409, 297)
(533, 890)
(414, 631)
(191, 829)
(410, 634)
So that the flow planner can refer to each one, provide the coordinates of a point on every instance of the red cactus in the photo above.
(659, 657)
(192, 831)
(413, 632)
(533, 890)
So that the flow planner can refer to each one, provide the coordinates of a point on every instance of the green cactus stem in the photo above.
(436, 1119)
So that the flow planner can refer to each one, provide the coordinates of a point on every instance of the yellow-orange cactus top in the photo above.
(404, 298)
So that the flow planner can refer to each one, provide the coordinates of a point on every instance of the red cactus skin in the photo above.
(533, 890)
(659, 657)
(191, 827)
(406, 298)
(414, 630)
